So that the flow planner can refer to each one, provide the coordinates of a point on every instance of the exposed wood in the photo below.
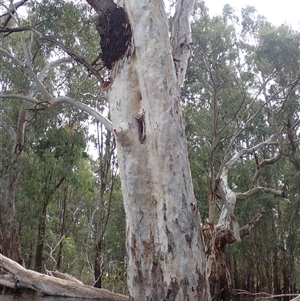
(181, 38)
(19, 277)
(215, 241)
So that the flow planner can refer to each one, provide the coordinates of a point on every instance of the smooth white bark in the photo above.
(165, 248)
(229, 197)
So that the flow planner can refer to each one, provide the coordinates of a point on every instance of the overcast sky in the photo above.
(276, 11)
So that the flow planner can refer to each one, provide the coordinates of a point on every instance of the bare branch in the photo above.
(290, 135)
(43, 73)
(72, 54)
(5, 18)
(75, 56)
(239, 130)
(29, 72)
(296, 298)
(241, 196)
(228, 196)
(23, 278)
(263, 163)
(248, 227)
(52, 250)
(246, 151)
(291, 87)
(63, 99)
(21, 126)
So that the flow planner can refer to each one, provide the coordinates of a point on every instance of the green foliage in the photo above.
(243, 73)
(243, 70)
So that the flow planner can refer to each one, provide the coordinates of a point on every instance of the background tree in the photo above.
(235, 118)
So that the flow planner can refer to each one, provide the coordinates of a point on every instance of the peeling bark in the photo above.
(165, 248)
(217, 271)
(216, 240)
(164, 243)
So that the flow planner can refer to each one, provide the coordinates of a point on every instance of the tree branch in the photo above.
(248, 227)
(229, 197)
(29, 72)
(69, 51)
(241, 196)
(290, 135)
(5, 18)
(48, 285)
(43, 73)
(53, 102)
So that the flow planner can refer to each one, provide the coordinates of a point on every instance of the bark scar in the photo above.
(141, 125)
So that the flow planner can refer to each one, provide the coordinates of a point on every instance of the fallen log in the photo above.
(19, 277)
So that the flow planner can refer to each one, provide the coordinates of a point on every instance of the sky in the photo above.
(276, 12)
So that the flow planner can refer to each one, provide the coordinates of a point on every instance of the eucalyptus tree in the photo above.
(165, 250)
(13, 121)
(51, 174)
(241, 88)
(163, 225)
(21, 48)
(106, 170)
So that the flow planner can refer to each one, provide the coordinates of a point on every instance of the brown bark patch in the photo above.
(172, 290)
(201, 288)
(157, 276)
(171, 242)
(219, 276)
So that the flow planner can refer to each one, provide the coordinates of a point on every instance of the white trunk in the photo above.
(228, 197)
(166, 258)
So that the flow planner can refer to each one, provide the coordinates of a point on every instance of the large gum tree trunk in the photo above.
(166, 258)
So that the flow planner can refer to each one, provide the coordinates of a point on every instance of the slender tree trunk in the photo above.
(9, 176)
(41, 238)
(62, 227)
(9, 235)
(98, 265)
(105, 151)
(49, 191)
